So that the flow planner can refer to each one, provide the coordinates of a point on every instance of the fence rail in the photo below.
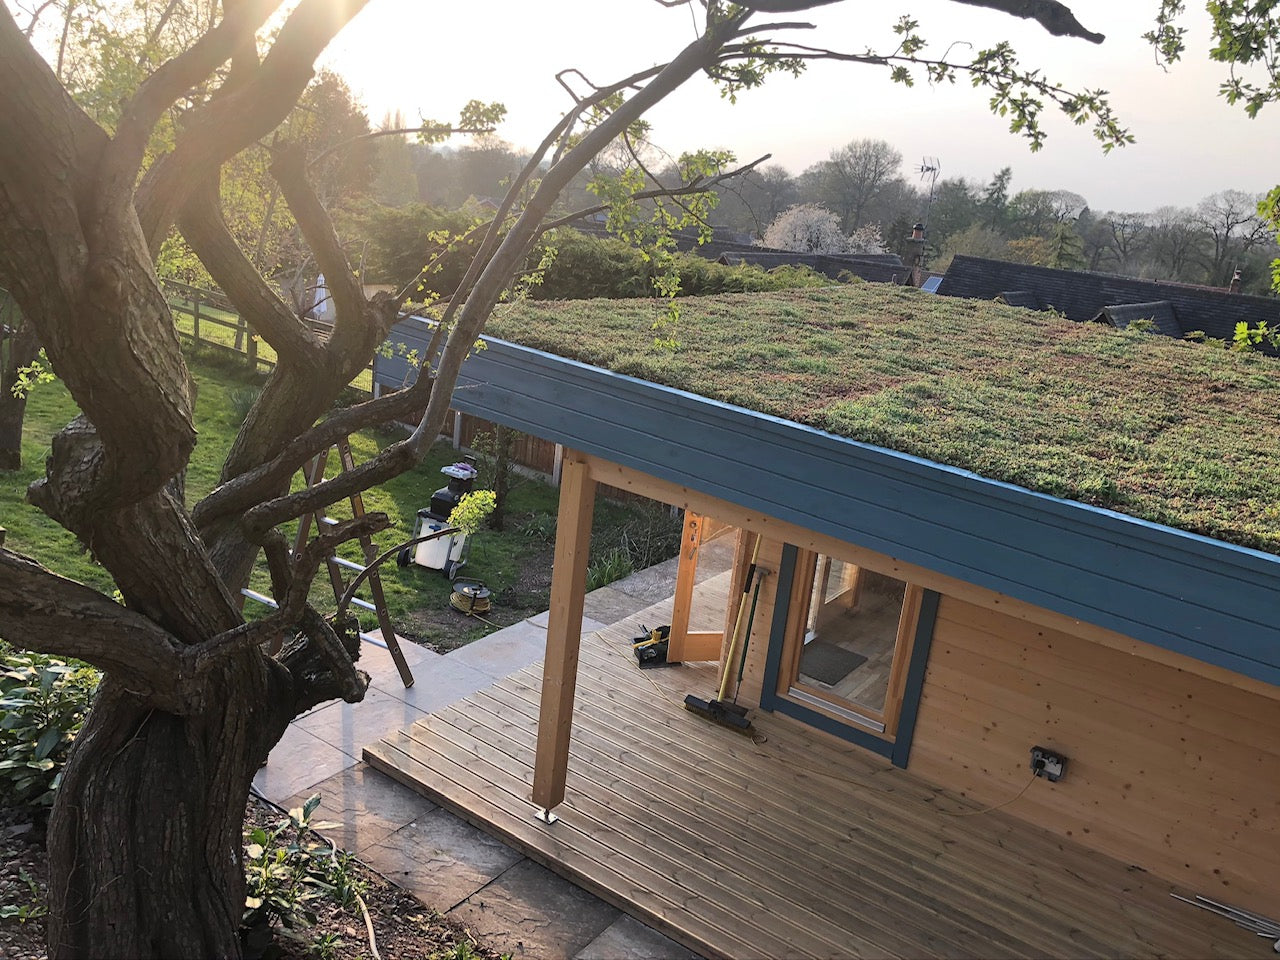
(214, 323)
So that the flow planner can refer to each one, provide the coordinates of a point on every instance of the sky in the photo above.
(427, 59)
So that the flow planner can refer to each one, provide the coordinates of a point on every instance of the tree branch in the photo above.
(47, 613)
(1055, 17)
(202, 224)
(163, 87)
(241, 114)
(289, 167)
(695, 186)
(296, 579)
(695, 57)
(244, 491)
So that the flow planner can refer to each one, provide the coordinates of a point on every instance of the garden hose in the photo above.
(470, 597)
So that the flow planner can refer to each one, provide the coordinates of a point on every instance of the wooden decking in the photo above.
(793, 847)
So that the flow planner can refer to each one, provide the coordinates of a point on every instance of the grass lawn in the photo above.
(515, 563)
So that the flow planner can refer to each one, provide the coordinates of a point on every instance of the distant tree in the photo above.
(851, 177)
(976, 240)
(994, 205)
(1066, 248)
(1036, 213)
(752, 202)
(396, 181)
(1035, 250)
(807, 228)
(1244, 34)
(1175, 241)
(1127, 235)
(1231, 226)
(955, 209)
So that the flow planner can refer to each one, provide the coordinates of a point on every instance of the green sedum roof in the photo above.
(1178, 433)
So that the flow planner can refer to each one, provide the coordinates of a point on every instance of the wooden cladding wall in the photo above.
(1170, 771)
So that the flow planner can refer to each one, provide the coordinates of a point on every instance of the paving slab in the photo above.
(439, 684)
(504, 651)
(652, 583)
(589, 625)
(629, 939)
(609, 605)
(352, 726)
(363, 805)
(299, 761)
(440, 859)
(531, 912)
(376, 661)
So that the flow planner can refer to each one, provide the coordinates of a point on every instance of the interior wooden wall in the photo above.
(1174, 772)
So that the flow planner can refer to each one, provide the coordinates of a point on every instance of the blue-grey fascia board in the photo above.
(1191, 594)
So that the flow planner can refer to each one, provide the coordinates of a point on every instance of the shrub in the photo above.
(286, 872)
(44, 701)
(587, 266)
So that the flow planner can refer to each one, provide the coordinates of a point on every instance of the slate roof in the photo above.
(1160, 312)
(1080, 295)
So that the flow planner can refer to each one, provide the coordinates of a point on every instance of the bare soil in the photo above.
(403, 926)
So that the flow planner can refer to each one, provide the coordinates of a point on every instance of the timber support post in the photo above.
(564, 633)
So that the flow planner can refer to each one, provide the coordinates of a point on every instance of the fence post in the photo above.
(241, 326)
(251, 343)
(195, 316)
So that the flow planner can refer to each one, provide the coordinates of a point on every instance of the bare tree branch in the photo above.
(241, 114)
(700, 185)
(47, 613)
(292, 601)
(164, 86)
(245, 491)
(439, 129)
(202, 224)
(289, 167)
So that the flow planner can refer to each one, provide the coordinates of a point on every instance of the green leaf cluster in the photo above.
(44, 701)
(287, 872)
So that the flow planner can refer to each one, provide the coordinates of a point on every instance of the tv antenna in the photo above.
(929, 169)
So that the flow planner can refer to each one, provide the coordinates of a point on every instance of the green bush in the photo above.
(587, 266)
(44, 701)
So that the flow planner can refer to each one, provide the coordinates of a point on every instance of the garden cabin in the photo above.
(985, 531)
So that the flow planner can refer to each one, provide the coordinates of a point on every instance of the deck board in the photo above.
(793, 847)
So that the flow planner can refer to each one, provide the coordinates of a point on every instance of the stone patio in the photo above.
(517, 906)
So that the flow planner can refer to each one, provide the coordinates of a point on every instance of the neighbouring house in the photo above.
(1176, 309)
(732, 248)
(993, 538)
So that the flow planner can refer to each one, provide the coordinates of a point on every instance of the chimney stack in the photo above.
(1235, 282)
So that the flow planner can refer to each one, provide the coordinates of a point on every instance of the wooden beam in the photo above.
(686, 574)
(635, 481)
(564, 631)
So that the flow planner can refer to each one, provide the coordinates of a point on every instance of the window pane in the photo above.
(851, 631)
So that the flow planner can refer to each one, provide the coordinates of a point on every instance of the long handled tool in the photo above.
(721, 710)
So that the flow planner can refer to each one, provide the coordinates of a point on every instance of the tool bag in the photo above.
(651, 648)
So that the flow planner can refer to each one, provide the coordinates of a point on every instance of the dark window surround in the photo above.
(899, 748)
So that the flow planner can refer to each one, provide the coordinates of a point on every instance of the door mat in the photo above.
(828, 663)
